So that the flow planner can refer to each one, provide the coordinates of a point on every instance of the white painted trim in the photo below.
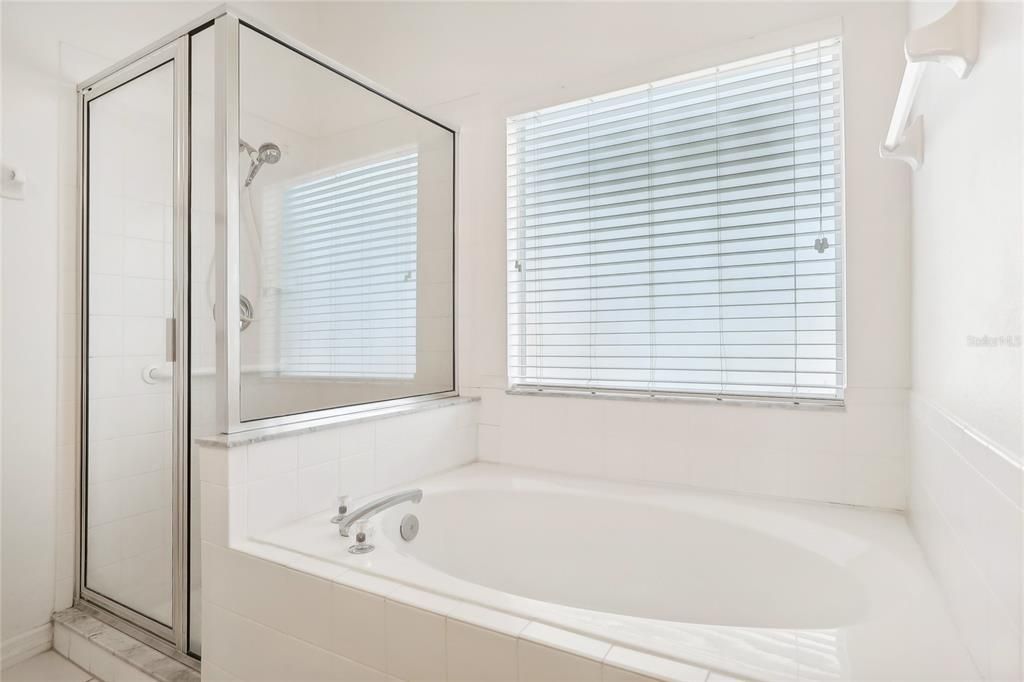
(26, 645)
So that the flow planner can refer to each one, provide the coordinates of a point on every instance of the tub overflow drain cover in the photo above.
(410, 527)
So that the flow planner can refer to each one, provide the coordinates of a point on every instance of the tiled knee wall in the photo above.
(271, 483)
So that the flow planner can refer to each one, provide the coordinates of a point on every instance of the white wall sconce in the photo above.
(951, 40)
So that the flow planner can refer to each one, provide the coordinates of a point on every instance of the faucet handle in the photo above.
(364, 533)
(342, 509)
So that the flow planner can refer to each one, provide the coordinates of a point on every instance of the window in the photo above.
(348, 273)
(683, 236)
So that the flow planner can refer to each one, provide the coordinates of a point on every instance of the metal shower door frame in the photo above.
(227, 26)
(172, 639)
(225, 22)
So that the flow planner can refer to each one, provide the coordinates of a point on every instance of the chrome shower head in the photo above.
(267, 153)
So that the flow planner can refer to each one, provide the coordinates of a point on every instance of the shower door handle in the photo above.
(170, 342)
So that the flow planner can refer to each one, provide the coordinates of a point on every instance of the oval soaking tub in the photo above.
(602, 552)
(761, 589)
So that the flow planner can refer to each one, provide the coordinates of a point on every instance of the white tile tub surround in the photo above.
(304, 600)
(967, 447)
(270, 483)
(967, 514)
(853, 455)
(271, 614)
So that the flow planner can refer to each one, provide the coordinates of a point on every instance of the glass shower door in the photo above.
(132, 412)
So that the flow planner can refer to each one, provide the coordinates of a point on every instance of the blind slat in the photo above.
(703, 81)
(684, 235)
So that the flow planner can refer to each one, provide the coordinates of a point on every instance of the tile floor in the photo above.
(46, 667)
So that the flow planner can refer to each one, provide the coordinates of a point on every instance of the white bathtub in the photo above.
(755, 588)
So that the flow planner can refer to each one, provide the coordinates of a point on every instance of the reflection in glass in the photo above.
(350, 307)
(345, 240)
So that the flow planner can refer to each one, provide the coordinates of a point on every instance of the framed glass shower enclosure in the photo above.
(266, 240)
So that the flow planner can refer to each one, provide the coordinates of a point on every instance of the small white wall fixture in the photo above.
(951, 40)
(12, 183)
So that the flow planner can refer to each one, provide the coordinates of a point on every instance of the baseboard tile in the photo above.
(26, 645)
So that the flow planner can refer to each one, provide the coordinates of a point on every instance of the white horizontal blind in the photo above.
(671, 238)
(348, 273)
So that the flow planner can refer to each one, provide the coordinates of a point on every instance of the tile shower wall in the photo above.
(966, 474)
(130, 295)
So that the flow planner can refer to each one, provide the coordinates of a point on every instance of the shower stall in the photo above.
(267, 239)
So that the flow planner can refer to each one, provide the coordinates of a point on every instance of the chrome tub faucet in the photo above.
(346, 520)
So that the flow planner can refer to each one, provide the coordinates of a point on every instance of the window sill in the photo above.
(696, 398)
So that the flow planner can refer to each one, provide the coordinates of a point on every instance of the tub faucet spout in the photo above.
(345, 521)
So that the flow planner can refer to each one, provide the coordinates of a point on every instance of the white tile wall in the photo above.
(277, 481)
(547, 664)
(480, 655)
(967, 446)
(271, 614)
(966, 512)
(252, 651)
(264, 620)
(416, 643)
(854, 455)
(359, 626)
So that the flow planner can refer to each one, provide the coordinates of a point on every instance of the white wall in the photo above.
(966, 478)
(856, 455)
(47, 48)
(29, 434)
